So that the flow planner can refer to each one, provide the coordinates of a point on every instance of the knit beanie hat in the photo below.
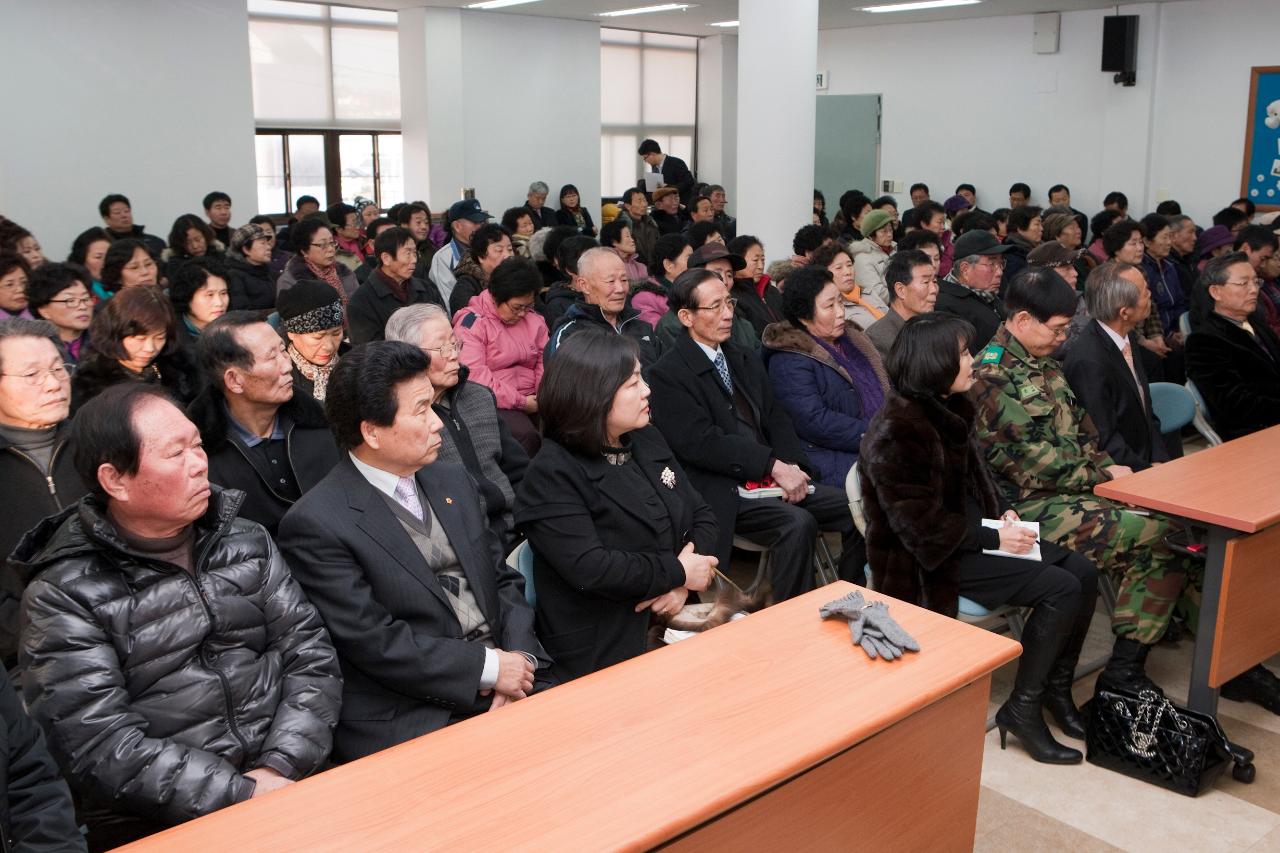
(873, 222)
(309, 306)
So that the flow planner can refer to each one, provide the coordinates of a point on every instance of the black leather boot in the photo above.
(1126, 670)
(1057, 691)
(1258, 685)
(1042, 640)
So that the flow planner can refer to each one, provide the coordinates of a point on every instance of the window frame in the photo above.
(332, 160)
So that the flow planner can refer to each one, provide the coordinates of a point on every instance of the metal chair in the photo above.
(1202, 416)
(521, 559)
(970, 611)
(824, 563)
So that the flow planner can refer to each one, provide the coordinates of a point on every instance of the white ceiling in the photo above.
(833, 14)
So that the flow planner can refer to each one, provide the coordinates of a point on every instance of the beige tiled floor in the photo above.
(1028, 806)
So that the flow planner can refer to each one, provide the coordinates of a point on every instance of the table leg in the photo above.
(1200, 696)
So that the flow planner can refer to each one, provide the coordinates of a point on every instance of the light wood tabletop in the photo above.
(626, 758)
(1235, 485)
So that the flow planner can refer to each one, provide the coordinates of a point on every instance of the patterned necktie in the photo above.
(723, 369)
(407, 496)
(1127, 352)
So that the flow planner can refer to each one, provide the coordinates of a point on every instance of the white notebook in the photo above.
(1034, 526)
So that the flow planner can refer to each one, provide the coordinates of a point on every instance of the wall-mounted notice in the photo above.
(1260, 181)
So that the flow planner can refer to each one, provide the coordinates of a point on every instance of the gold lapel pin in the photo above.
(448, 500)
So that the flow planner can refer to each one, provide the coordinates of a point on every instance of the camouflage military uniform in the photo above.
(1044, 450)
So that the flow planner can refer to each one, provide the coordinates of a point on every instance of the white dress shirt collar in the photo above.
(383, 481)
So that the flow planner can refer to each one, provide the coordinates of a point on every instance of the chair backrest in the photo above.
(521, 559)
(1203, 418)
(1173, 405)
(1184, 323)
(853, 488)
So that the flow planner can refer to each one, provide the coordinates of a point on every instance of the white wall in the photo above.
(495, 102)
(718, 114)
(968, 101)
(1202, 90)
(150, 98)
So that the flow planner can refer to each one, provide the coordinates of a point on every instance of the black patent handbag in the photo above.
(1147, 737)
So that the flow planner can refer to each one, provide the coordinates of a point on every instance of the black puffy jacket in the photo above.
(157, 689)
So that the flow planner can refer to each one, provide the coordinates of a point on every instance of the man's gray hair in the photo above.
(21, 327)
(1106, 291)
(539, 187)
(1177, 221)
(404, 324)
(591, 258)
(971, 260)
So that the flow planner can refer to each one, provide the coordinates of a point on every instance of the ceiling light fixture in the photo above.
(497, 4)
(916, 7)
(724, 24)
(645, 10)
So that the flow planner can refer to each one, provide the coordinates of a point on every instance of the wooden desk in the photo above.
(771, 732)
(1235, 490)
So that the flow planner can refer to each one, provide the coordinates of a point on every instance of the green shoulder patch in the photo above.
(992, 354)
(1026, 392)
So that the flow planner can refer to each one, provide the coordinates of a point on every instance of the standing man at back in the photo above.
(675, 172)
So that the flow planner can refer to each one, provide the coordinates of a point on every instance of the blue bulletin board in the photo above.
(1260, 182)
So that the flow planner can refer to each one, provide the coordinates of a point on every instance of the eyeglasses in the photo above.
(449, 350)
(730, 302)
(1247, 284)
(59, 372)
(327, 244)
(519, 310)
(74, 301)
(1059, 331)
(989, 261)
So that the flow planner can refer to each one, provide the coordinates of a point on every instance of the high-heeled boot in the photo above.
(1021, 714)
(1057, 691)
(1126, 671)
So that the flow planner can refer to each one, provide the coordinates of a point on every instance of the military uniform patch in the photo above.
(1026, 392)
(992, 355)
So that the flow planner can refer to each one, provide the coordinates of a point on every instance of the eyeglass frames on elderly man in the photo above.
(730, 302)
(59, 372)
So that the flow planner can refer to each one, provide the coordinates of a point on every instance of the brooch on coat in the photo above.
(668, 478)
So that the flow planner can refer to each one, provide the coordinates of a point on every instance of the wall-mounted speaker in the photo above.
(1120, 47)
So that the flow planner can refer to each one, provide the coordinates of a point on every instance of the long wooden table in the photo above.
(1234, 489)
(771, 732)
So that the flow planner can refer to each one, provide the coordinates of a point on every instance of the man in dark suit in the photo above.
(713, 404)
(1235, 357)
(430, 624)
(971, 289)
(261, 436)
(1105, 372)
(675, 172)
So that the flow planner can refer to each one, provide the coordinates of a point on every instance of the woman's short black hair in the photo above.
(485, 236)
(611, 232)
(579, 385)
(1042, 293)
(925, 357)
(513, 278)
(102, 431)
(303, 231)
(1117, 234)
(188, 276)
(825, 255)
(742, 244)
(80, 246)
(117, 258)
(511, 218)
(801, 292)
(565, 190)
(178, 234)
(914, 240)
(1020, 218)
(667, 248)
(362, 387)
(337, 214)
(570, 250)
(681, 294)
(263, 219)
(808, 238)
(700, 232)
(1153, 224)
(1104, 219)
(389, 243)
(48, 280)
(10, 261)
(133, 311)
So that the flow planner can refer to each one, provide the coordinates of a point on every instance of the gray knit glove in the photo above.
(870, 626)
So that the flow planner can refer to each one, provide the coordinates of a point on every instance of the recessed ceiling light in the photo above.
(725, 24)
(644, 10)
(915, 7)
(496, 4)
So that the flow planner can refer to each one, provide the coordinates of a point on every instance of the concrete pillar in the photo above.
(776, 117)
(431, 105)
(718, 114)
